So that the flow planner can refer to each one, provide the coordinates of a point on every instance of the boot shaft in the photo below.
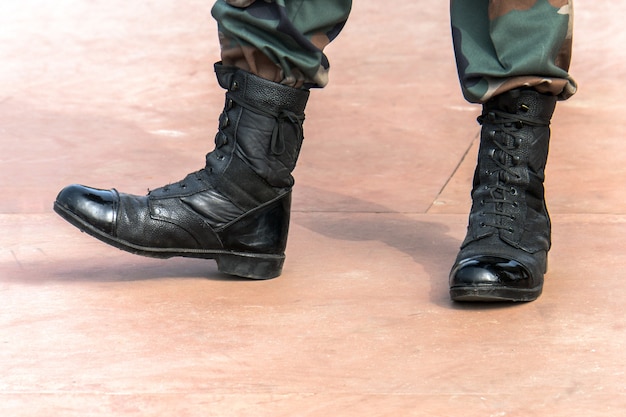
(508, 193)
(523, 105)
(515, 137)
(256, 148)
(261, 125)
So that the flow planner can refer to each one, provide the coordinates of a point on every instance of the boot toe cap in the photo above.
(490, 278)
(490, 271)
(88, 206)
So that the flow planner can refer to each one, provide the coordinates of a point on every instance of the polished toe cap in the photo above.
(492, 271)
(97, 208)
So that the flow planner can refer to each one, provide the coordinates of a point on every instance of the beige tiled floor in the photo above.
(123, 94)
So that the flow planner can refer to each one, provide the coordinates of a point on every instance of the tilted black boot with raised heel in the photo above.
(504, 255)
(235, 210)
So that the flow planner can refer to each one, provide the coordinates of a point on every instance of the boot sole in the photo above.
(494, 294)
(241, 264)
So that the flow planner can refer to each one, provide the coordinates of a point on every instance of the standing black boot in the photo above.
(235, 210)
(504, 255)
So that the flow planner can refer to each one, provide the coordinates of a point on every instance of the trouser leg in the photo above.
(501, 45)
(280, 40)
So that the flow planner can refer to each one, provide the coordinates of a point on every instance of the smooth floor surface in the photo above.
(122, 94)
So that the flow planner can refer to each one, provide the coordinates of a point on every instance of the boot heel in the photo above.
(251, 266)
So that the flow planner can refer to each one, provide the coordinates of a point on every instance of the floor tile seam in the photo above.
(456, 169)
(592, 215)
(335, 394)
(356, 212)
(459, 213)
(299, 211)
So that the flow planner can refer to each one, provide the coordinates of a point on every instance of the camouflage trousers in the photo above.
(499, 44)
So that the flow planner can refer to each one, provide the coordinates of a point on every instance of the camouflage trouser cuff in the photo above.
(504, 45)
(280, 40)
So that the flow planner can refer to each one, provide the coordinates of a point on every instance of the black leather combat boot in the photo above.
(504, 255)
(235, 210)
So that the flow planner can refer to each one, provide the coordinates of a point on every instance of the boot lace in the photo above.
(277, 144)
(503, 195)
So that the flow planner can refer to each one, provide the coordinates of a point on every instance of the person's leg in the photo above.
(513, 57)
(236, 209)
(505, 44)
(282, 41)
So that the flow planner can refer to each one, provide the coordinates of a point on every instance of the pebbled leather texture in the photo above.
(248, 89)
